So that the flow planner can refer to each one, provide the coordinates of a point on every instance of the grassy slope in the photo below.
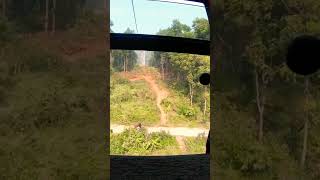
(71, 149)
(51, 125)
(133, 102)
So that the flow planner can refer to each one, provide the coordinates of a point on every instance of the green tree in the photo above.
(124, 59)
(261, 48)
(37, 15)
(302, 18)
(177, 29)
(185, 66)
(256, 34)
(201, 28)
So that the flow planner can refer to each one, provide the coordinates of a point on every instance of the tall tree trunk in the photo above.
(260, 98)
(162, 70)
(46, 20)
(306, 126)
(205, 103)
(54, 16)
(305, 143)
(124, 65)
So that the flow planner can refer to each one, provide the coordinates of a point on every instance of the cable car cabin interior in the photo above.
(195, 166)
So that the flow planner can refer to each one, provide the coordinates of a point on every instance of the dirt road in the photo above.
(160, 93)
(174, 131)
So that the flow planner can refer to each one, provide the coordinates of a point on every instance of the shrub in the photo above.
(186, 111)
(138, 142)
(196, 144)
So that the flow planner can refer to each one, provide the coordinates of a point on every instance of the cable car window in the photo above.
(158, 106)
(152, 17)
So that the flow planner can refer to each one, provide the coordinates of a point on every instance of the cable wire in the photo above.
(134, 13)
(165, 1)
(177, 3)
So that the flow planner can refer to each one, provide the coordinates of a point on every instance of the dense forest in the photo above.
(266, 118)
(52, 60)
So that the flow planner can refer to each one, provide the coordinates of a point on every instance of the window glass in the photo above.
(153, 17)
(158, 106)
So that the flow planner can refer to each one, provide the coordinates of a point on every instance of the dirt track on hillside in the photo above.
(161, 93)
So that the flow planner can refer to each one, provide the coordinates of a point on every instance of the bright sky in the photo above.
(151, 15)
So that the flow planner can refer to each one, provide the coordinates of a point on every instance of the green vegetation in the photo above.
(181, 113)
(46, 114)
(195, 145)
(139, 142)
(50, 107)
(30, 15)
(181, 71)
(132, 102)
(266, 118)
(188, 101)
(124, 60)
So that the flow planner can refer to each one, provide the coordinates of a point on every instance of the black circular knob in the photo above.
(303, 55)
(204, 78)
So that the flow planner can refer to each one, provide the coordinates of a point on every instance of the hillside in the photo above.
(52, 104)
(137, 97)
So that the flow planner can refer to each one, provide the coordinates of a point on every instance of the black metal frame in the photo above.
(159, 43)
